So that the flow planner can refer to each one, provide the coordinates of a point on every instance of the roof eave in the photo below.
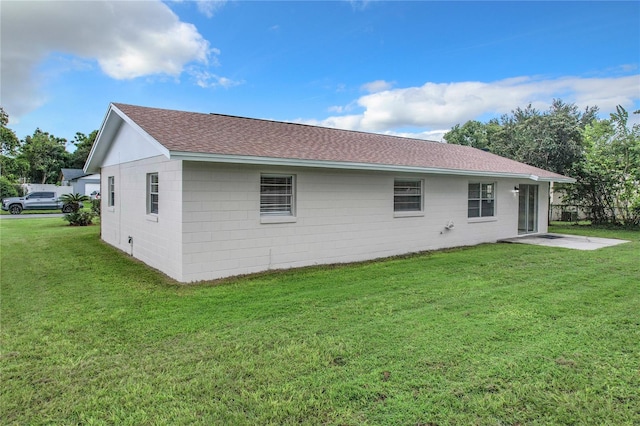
(90, 164)
(561, 179)
(294, 162)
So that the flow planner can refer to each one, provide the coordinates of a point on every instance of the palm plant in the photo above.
(71, 202)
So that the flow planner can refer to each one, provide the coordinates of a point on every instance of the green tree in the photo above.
(14, 168)
(9, 142)
(45, 154)
(474, 133)
(608, 175)
(10, 168)
(7, 188)
(83, 144)
(551, 140)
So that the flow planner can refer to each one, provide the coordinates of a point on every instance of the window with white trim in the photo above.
(407, 195)
(277, 195)
(111, 191)
(482, 200)
(153, 187)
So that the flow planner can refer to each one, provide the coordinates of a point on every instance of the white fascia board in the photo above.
(559, 180)
(107, 128)
(293, 162)
(563, 180)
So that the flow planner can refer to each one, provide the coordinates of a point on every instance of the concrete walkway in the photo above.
(565, 241)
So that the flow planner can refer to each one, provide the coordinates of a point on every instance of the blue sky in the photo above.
(406, 68)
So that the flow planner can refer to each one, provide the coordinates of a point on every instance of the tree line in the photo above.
(38, 158)
(602, 154)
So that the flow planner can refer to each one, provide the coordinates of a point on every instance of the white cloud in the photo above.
(349, 122)
(126, 39)
(377, 86)
(210, 7)
(434, 106)
(205, 79)
(359, 5)
(343, 109)
(429, 135)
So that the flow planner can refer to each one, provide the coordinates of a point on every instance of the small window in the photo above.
(152, 193)
(111, 191)
(482, 200)
(276, 195)
(407, 195)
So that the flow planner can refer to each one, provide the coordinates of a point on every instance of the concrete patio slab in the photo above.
(576, 242)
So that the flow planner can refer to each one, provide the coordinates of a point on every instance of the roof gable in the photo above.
(121, 140)
(215, 137)
(71, 174)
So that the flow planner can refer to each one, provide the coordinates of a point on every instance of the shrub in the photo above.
(7, 188)
(79, 218)
(95, 207)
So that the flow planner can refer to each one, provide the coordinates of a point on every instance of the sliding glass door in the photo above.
(528, 209)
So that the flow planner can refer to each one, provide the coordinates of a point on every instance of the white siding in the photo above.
(129, 145)
(341, 216)
(156, 239)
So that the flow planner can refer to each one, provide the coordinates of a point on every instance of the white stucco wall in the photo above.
(341, 216)
(156, 238)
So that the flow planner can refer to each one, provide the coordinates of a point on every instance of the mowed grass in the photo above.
(498, 334)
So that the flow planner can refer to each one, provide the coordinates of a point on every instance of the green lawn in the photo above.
(6, 213)
(499, 334)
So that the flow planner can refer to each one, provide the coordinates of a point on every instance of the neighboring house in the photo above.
(81, 182)
(205, 196)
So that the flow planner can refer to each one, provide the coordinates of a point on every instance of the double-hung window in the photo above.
(277, 195)
(111, 191)
(482, 200)
(152, 193)
(407, 195)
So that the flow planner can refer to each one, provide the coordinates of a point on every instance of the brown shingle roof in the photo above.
(215, 134)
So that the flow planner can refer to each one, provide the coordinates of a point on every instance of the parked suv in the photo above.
(44, 200)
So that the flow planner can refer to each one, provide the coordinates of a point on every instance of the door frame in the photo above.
(526, 195)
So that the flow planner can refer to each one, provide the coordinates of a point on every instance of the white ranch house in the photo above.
(206, 196)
